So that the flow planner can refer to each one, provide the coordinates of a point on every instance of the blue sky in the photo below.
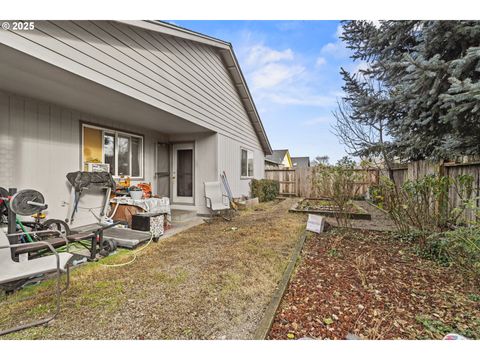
(292, 69)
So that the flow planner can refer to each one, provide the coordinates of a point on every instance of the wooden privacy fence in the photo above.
(453, 171)
(419, 169)
(298, 181)
(415, 170)
(287, 179)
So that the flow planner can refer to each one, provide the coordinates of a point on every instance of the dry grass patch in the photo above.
(211, 281)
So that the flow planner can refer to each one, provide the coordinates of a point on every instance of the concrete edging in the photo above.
(265, 324)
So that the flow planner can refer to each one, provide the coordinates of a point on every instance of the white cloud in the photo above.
(320, 61)
(336, 49)
(282, 77)
(339, 31)
(273, 74)
(260, 55)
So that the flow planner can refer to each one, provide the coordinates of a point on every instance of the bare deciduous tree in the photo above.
(321, 160)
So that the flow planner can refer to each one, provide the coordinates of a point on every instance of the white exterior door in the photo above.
(183, 166)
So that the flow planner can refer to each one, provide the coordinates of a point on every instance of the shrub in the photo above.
(337, 183)
(264, 189)
(425, 205)
(459, 248)
(376, 196)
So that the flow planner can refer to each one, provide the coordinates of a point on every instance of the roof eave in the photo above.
(177, 31)
(272, 161)
(241, 84)
(231, 62)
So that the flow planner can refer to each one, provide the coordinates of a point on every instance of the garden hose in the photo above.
(134, 253)
(17, 220)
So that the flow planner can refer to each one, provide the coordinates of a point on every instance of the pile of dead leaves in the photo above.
(369, 285)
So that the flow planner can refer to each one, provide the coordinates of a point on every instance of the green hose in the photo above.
(29, 238)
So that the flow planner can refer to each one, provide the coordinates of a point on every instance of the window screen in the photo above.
(122, 151)
(246, 169)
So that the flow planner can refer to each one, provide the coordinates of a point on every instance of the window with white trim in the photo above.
(123, 151)
(246, 166)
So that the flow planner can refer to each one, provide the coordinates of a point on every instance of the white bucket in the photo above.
(136, 194)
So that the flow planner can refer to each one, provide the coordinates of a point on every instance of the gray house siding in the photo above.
(40, 144)
(183, 77)
(215, 153)
(229, 153)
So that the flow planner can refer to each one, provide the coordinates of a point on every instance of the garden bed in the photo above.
(326, 207)
(374, 286)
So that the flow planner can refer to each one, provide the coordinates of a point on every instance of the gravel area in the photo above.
(212, 281)
(380, 219)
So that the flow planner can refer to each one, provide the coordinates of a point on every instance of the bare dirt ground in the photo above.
(371, 285)
(211, 281)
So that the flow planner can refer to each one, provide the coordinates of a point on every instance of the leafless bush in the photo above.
(338, 184)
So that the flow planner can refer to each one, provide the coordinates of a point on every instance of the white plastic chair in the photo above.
(216, 200)
(11, 271)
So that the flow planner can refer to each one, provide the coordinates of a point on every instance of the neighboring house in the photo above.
(303, 161)
(278, 159)
(158, 103)
(270, 164)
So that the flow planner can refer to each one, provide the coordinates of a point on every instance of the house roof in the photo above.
(271, 161)
(277, 156)
(302, 161)
(231, 63)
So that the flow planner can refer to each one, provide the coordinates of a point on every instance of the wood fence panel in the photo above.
(400, 175)
(454, 200)
(367, 178)
(421, 168)
(304, 182)
(286, 178)
(298, 182)
(418, 169)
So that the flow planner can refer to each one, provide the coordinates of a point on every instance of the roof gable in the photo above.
(225, 49)
(278, 156)
(302, 161)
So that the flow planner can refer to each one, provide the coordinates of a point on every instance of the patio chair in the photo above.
(216, 201)
(12, 271)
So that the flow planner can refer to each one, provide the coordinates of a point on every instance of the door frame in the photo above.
(159, 174)
(173, 173)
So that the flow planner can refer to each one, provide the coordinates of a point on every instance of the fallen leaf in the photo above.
(327, 321)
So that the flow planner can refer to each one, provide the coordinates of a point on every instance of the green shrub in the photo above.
(265, 190)
(459, 248)
(425, 204)
(337, 183)
(376, 195)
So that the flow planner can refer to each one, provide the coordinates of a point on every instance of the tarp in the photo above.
(85, 179)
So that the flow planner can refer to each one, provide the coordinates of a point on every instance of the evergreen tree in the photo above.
(428, 73)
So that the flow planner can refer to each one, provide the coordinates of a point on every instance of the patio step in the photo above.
(183, 215)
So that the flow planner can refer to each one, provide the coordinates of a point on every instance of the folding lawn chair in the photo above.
(216, 201)
(12, 271)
